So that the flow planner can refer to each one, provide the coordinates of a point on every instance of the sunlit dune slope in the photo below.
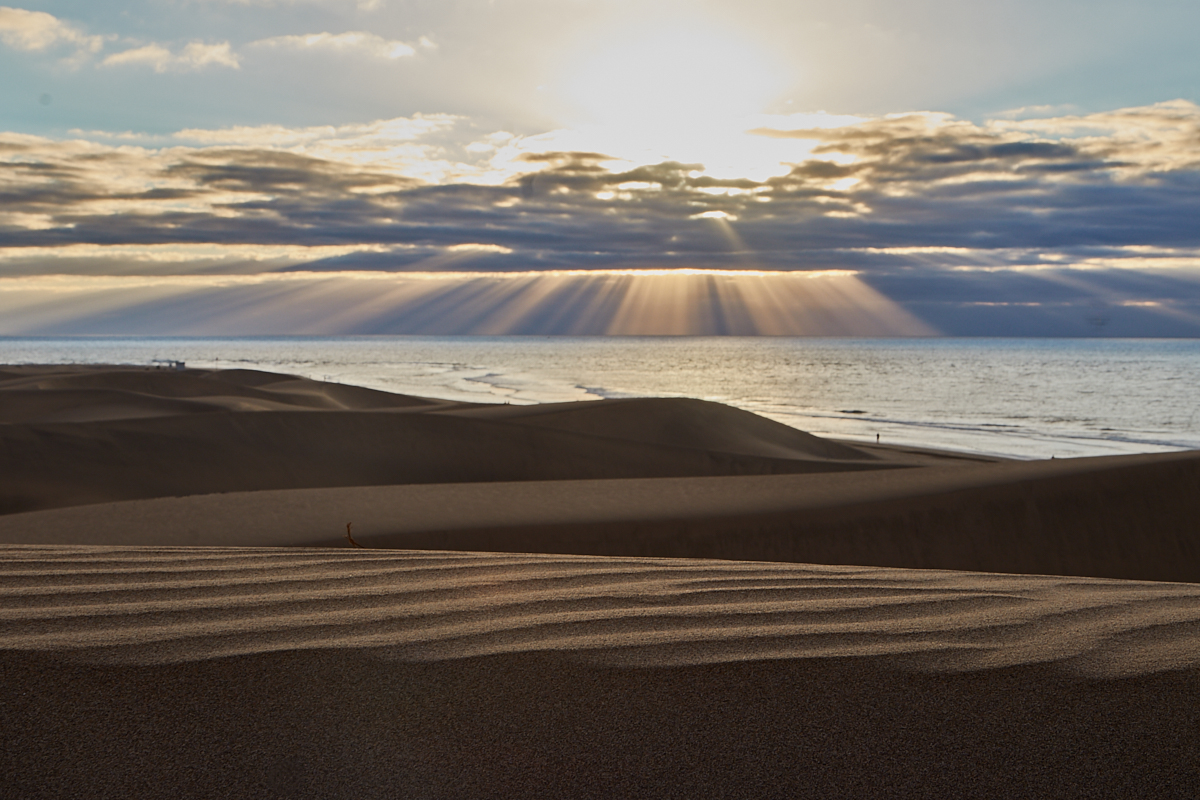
(148, 605)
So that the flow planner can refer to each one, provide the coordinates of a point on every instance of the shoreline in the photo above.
(1020, 415)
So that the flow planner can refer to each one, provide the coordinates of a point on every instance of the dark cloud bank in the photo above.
(976, 230)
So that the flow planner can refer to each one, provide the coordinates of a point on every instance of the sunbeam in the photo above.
(580, 302)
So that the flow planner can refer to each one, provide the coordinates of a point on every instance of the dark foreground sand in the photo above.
(181, 615)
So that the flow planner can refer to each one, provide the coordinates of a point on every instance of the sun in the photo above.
(682, 90)
(671, 77)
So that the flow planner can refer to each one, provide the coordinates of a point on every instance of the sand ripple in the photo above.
(146, 605)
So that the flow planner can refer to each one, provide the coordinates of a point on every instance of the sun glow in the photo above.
(677, 93)
(672, 79)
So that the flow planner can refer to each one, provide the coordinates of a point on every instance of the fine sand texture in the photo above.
(645, 598)
(298, 673)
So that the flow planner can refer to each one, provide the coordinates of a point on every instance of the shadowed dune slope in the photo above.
(1117, 517)
(650, 477)
(73, 435)
(51, 465)
(675, 422)
(147, 383)
(1135, 517)
(88, 394)
(304, 673)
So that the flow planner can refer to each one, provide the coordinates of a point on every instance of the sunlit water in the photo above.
(1029, 398)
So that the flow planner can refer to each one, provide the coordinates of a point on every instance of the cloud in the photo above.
(350, 42)
(362, 5)
(122, 260)
(193, 56)
(1047, 221)
(37, 30)
(863, 192)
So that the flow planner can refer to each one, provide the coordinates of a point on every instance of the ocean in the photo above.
(1022, 398)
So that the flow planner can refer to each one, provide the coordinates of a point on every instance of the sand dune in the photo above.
(107, 434)
(1118, 517)
(168, 605)
(673, 422)
(144, 384)
(570, 601)
(321, 673)
(247, 458)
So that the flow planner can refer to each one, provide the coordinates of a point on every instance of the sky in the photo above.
(848, 167)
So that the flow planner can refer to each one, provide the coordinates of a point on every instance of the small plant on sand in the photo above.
(350, 538)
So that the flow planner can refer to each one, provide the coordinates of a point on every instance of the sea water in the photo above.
(1025, 398)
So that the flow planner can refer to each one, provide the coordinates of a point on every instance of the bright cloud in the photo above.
(384, 131)
(37, 30)
(362, 5)
(193, 56)
(349, 42)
